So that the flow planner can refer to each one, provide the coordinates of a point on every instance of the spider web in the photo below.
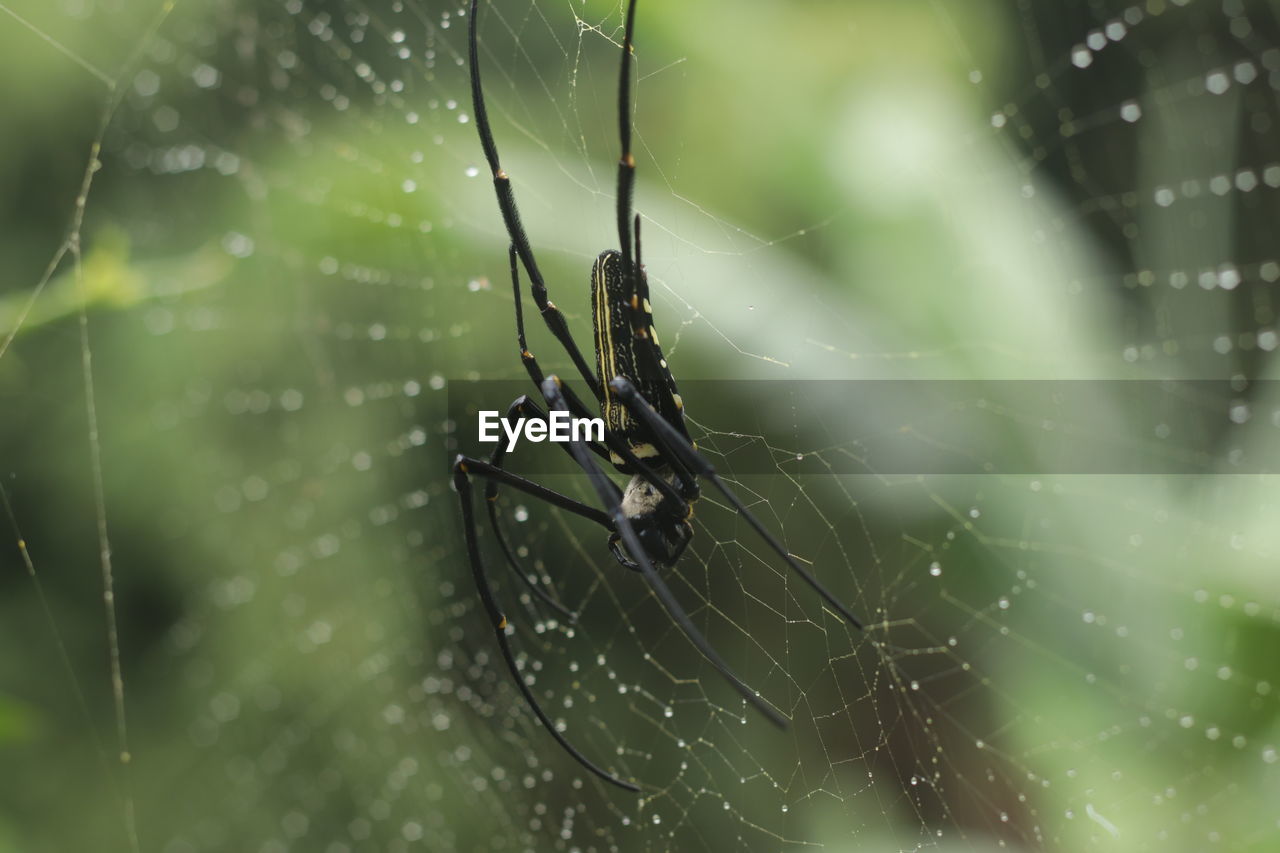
(237, 613)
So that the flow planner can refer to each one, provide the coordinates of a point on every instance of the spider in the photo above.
(646, 439)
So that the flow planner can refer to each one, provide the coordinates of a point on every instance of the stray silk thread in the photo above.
(558, 427)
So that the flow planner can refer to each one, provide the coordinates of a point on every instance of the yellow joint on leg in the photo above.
(502, 624)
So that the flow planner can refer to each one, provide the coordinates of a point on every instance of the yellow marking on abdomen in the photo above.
(641, 451)
(605, 362)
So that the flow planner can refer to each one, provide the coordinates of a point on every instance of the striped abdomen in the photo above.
(627, 346)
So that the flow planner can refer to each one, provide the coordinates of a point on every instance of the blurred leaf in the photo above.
(18, 722)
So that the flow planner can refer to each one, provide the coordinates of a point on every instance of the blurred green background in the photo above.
(290, 253)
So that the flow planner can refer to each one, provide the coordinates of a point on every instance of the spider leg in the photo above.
(626, 162)
(471, 465)
(642, 280)
(496, 459)
(490, 495)
(530, 363)
(576, 407)
(681, 447)
(679, 501)
(526, 358)
(526, 408)
(511, 217)
(552, 390)
(462, 469)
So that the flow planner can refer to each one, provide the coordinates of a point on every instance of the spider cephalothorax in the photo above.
(661, 528)
(645, 437)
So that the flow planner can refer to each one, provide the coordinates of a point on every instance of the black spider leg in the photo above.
(641, 280)
(531, 365)
(463, 467)
(619, 446)
(626, 162)
(578, 409)
(639, 259)
(678, 445)
(472, 465)
(552, 390)
(634, 463)
(519, 408)
(522, 407)
(511, 217)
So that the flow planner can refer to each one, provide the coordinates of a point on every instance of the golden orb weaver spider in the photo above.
(645, 437)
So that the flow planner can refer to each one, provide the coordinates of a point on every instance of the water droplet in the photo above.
(1217, 82)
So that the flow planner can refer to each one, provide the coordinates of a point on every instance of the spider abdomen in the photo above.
(626, 343)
